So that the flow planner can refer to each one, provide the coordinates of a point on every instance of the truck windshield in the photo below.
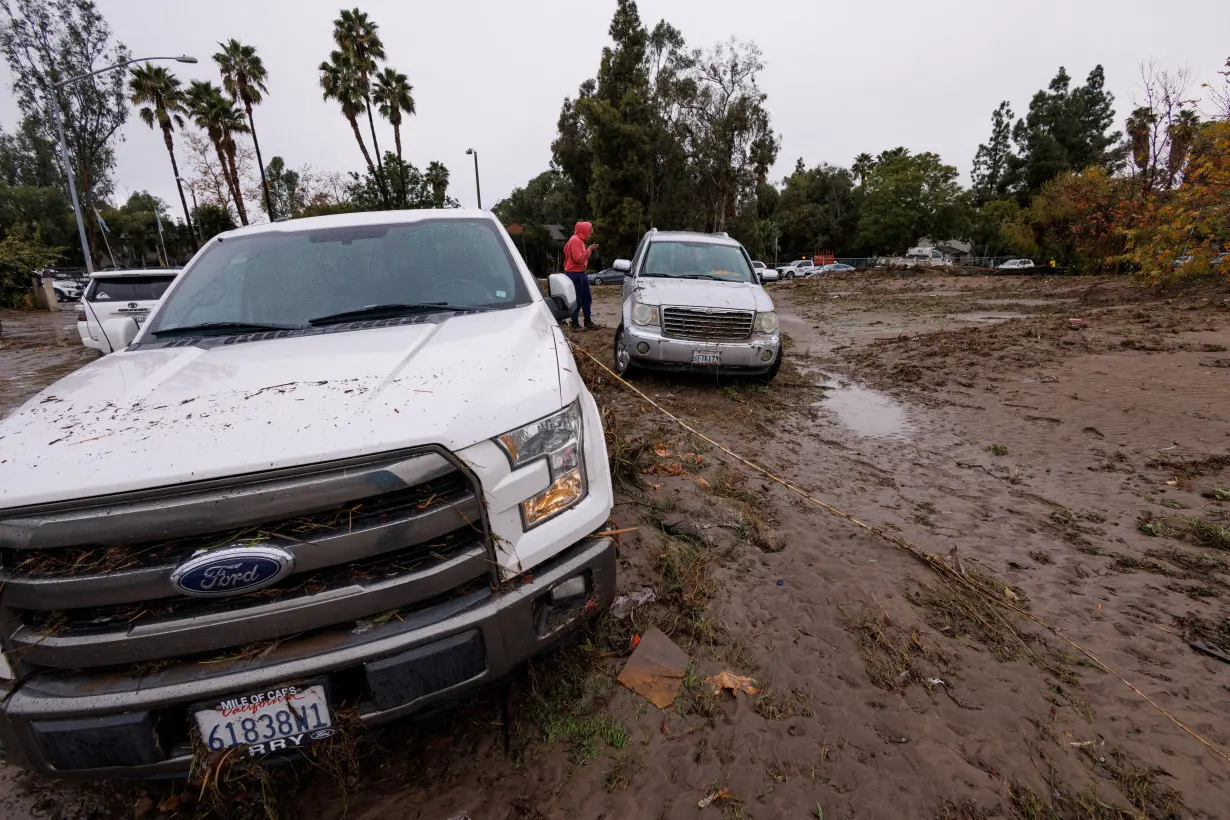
(700, 260)
(288, 278)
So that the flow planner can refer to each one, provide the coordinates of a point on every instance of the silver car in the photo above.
(692, 303)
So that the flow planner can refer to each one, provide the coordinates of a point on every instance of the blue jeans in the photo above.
(585, 300)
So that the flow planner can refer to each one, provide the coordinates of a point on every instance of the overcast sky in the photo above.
(841, 76)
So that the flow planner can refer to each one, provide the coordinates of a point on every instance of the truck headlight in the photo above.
(766, 322)
(558, 439)
(644, 314)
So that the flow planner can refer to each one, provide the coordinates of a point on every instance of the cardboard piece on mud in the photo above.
(655, 670)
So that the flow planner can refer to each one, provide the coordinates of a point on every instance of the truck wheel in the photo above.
(772, 372)
(624, 366)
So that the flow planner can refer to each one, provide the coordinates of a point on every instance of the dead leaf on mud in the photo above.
(662, 451)
(701, 481)
(735, 683)
(655, 670)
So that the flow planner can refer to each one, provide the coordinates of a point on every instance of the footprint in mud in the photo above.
(1093, 432)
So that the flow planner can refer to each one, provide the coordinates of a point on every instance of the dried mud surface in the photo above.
(1076, 470)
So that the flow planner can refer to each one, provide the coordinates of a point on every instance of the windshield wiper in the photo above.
(389, 311)
(239, 327)
(700, 276)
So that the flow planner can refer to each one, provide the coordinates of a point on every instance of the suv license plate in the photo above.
(272, 721)
(701, 357)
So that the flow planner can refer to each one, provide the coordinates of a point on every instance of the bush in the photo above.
(21, 254)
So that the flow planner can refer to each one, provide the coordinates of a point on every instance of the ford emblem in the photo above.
(232, 571)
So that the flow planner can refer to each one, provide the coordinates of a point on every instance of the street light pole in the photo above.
(196, 208)
(54, 104)
(478, 189)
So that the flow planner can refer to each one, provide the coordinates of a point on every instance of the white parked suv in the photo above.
(347, 462)
(800, 269)
(692, 303)
(118, 294)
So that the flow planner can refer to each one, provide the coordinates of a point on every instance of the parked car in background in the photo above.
(610, 276)
(119, 294)
(361, 439)
(692, 303)
(836, 267)
(798, 269)
(67, 290)
(1016, 264)
(765, 273)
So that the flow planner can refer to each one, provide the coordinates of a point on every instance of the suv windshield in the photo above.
(287, 279)
(700, 260)
(129, 288)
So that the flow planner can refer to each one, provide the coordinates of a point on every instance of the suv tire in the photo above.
(625, 368)
(772, 372)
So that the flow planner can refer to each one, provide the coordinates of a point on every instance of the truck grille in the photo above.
(88, 584)
(694, 323)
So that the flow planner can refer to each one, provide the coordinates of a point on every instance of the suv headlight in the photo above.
(644, 314)
(766, 322)
(558, 439)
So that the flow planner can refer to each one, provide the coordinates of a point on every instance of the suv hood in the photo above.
(705, 293)
(149, 418)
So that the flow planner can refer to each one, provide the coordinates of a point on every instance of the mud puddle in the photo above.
(865, 412)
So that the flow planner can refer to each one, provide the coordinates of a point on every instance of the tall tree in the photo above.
(436, 178)
(1066, 129)
(340, 81)
(48, 41)
(28, 157)
(284, 187)
(218, 117)
(395, 96)
(571, 154)
(1139, 135)
(990, 175)
(908, 197)
(243, 77)
(862, 166)
(1181, 133)
(157, 92)
(358, 36)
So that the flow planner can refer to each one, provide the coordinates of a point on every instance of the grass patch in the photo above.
(997, 449)
(566, 701)
(625, 767)
(895, 658)
(1217, 494)
(773, 705)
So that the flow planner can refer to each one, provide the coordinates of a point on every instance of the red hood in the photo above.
(583, 230)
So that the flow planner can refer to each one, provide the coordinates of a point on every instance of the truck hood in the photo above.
(150, 418)
(704, 293)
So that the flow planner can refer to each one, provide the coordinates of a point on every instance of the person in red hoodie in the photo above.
(576, 260)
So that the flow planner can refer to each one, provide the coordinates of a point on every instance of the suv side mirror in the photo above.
(563, 296)
(120, 332)
(623, 266)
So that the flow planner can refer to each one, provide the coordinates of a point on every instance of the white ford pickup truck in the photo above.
(347, 462)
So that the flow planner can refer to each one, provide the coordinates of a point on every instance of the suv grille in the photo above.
(694, 323)
(86, 586)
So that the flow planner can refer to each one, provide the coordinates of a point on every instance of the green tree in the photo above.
(1140, 127)
(220, 119)
(1066, 129)
(358, 37)
(244, 77)
(818, 209)
(365, 192)
(157, 92)
(27, 157)
(862, 166)
(908, 197)
(395, 96)
(547, 199)
(21, 253)
(990, 175)
(42, 210)
(212, 220)
(570, 151)
(436, 178)
(341, 81)
(46, 41)
(284, 188)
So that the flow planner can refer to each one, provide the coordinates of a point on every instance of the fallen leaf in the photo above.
(143, 807)
(735, 683)
(720, 794)
(1172, 483)
(662, 451)
(701, 481)
(170, 804)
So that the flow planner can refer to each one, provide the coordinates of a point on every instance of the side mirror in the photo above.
(563, 296)
(623, 266)
(120, 332)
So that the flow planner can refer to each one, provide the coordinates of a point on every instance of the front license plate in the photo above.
(701, 357)
(272, 721)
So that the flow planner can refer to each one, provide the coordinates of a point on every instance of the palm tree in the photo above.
(1182, 132)
(355, 34)
(394, 95)
(218, 117)
(862, 166)
(243, 77)
(437, 179)
(340, 81)
(156, 90)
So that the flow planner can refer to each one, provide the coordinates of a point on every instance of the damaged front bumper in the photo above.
(100, 725)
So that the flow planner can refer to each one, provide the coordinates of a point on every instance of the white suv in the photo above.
(118, 294)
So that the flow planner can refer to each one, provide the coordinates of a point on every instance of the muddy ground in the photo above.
(1060, 445)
